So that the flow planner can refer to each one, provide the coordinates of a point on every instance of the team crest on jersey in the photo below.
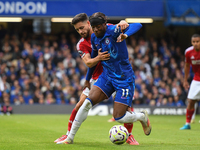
(107, 41)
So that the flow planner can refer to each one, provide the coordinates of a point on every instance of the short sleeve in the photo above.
(187, 58)
(82, 49)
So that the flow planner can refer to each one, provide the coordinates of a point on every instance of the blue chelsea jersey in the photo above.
(118, 65)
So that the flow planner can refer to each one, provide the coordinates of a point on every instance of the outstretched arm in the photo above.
(131, 29)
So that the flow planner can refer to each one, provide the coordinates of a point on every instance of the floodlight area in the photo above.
(129, 20)
(10, 19)
(61, 19)
(139, 20)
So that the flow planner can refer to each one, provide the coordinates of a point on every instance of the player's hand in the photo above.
(122, 37)
(103, 55)
(186, 85)
(86, 85)
(123, 24)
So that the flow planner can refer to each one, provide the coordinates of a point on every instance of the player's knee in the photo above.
(117, 116)
(77, 106)
(118, 113)
(191, 104)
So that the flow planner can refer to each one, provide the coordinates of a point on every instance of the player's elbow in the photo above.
(90, 65)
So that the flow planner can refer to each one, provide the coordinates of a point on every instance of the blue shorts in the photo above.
(124, 88)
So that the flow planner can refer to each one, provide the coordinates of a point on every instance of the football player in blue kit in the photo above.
(117, 75)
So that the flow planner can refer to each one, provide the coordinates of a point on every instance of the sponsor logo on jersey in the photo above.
(116, 30)
(192, 57)
(104, 110)
(196, 62)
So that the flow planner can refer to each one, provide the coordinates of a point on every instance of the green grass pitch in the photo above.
(37, 132)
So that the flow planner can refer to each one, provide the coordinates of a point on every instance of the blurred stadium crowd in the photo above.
(47, 69)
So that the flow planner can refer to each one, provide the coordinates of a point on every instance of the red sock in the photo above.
(189, 114)
(129, 127)
(132, 109)
(71, 119)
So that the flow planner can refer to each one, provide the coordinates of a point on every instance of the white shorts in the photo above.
(87, 90)
(194, 91)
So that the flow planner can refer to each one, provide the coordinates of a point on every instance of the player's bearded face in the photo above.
(196, 43)
(83, 29)
(85, 33)
(99, 30)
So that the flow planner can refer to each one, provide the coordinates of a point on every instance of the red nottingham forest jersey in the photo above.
(193, 58)
(84, 46)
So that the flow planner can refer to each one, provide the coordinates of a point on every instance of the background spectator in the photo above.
(47, 69)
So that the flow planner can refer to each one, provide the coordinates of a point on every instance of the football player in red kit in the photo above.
(192, 58)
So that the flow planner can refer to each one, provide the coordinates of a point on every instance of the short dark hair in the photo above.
(79, 18)
(100, 15)
(195, 35)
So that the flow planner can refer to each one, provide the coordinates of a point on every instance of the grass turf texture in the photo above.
(37, 132)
